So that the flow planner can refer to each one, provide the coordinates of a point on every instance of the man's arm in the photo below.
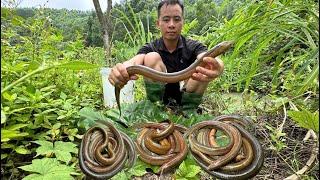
(199, 80)
(119, 74)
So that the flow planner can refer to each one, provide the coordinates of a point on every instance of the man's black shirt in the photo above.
(181, 58)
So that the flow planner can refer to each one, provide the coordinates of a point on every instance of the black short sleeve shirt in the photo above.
(185, 54)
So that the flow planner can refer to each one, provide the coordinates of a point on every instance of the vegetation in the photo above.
(51, 88)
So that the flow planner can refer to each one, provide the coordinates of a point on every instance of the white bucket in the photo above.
(126, 94)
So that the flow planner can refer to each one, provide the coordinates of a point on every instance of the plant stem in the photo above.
(23, 78)
(284, 118)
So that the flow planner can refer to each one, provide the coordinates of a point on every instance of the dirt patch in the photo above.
(289, 159)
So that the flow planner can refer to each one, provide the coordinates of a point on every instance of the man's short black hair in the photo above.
(170, 2)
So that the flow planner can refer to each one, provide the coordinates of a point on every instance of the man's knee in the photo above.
(154, 61)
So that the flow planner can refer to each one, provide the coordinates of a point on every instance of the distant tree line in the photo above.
(84, 24)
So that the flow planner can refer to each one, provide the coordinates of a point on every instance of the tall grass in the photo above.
(274, 39)
(137, 34)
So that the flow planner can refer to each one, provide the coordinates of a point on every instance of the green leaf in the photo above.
(16, 126)
(61, 149)
(308, 81)
(183, 168)
(56, 126)
(77, 65)
(21, 66)
(306, 119)
(22, 150)
(122, 176)
(48, 169)
(45, 148)
(7, 146)
(89, 113)
(63, 96)
(3, 117)
(63, 156)
(138, 170)
(181, 178)
(33, 65)
(7, 135)
(193, 170)
(3, 156)
(90, 117)
(9, 97)
(188, 170)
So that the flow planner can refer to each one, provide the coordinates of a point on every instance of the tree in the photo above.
(106, 27)
(93, 31)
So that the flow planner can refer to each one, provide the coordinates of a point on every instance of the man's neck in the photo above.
(171, 45)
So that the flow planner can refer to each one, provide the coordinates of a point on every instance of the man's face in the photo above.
(170, 21)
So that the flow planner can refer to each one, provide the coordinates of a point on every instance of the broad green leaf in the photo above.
(188, 170)
(22, 150)
(3, 156)
(183, 168)
(182, 178)
(61, 117)
(77, 65)
(7, 135)
(306, 119)
(122, 176)
(56, 126)
(33, 65)
(90, 117)
(63, 156)
(138, 170)
(34, 177)
(9, 97)
(193, 171)
(47, 169)
(7, 146)
(61, 149)
(65, 146)
(16, 126)
(31, 89)
(18, 110)
(45, 147)
(6, 96)
(21, 66)
(89, 113)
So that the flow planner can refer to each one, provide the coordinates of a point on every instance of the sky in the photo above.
(68, 4)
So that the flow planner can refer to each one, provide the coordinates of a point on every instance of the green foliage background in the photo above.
(50, 62)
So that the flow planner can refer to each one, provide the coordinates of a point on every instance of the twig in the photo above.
(312, 158)
(278, 153)
(284, 118)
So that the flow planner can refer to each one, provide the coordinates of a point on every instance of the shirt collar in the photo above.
(163, 47)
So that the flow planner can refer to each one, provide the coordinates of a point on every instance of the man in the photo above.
(170, 53)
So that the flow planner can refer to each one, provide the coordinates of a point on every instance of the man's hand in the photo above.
(119, 75)
(211, 69)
